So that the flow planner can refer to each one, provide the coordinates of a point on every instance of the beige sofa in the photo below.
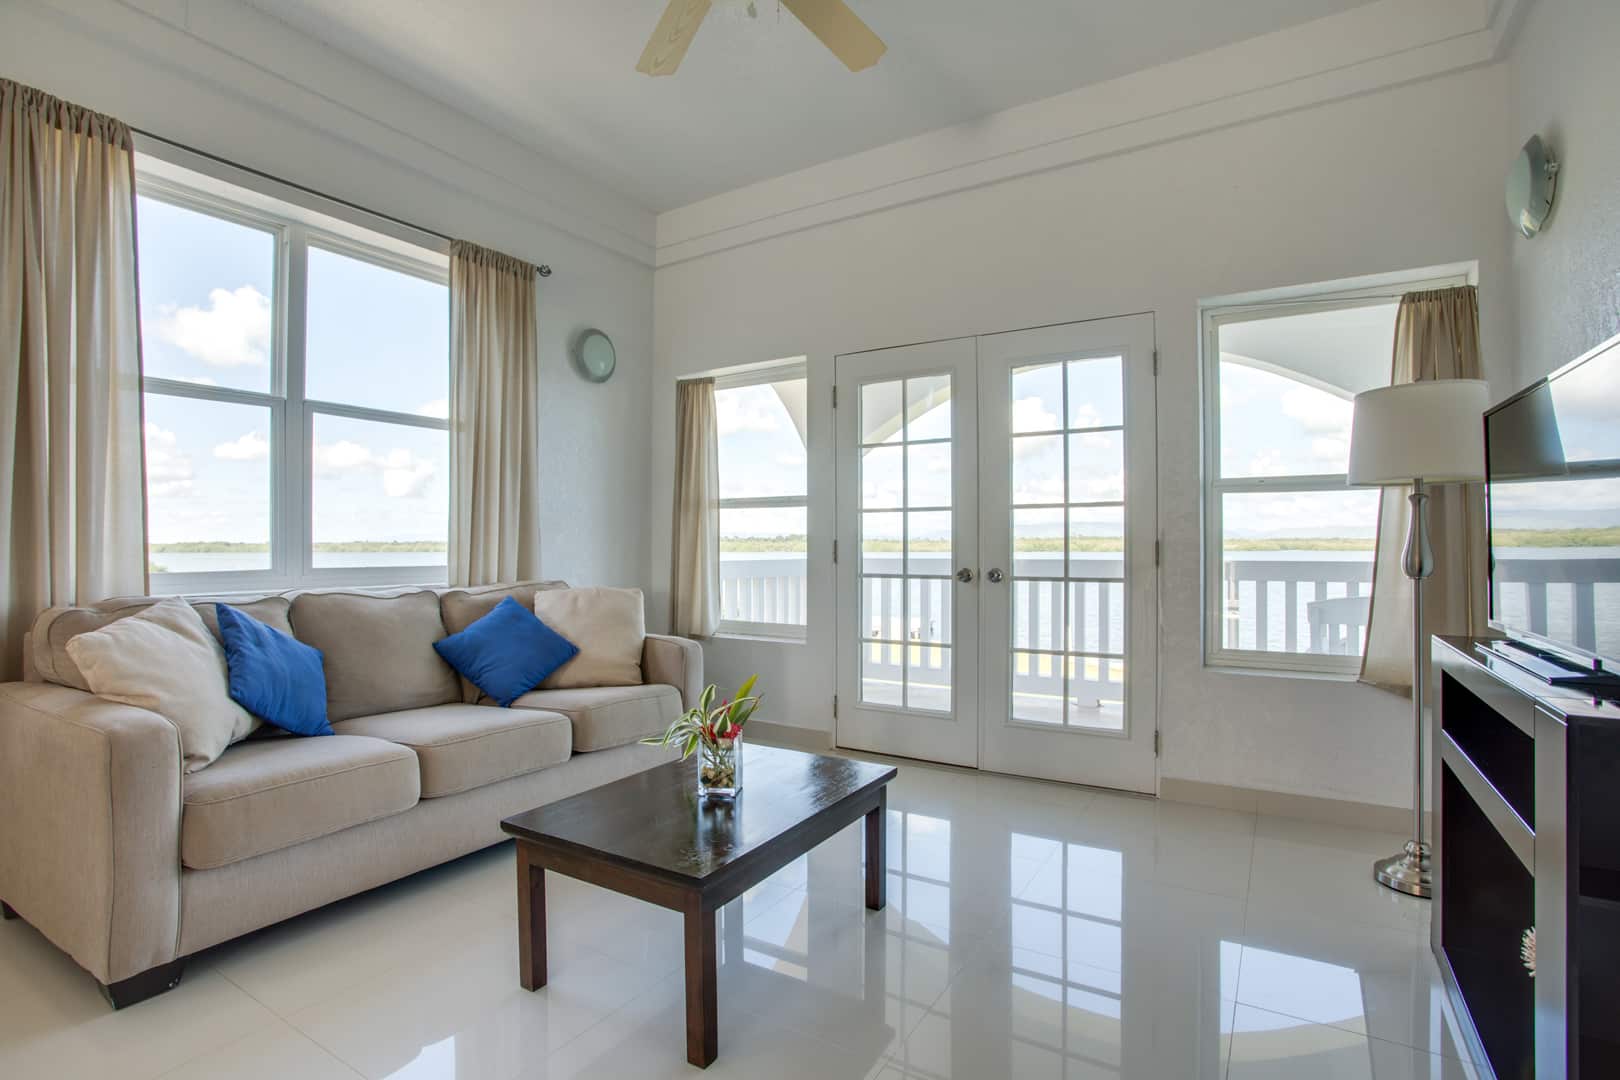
(130, 865)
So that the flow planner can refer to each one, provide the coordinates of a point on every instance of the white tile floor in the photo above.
(1033, 930)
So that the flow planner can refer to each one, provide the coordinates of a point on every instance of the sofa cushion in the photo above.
(460, 747)
(607, 716)
(164, 660)
(271, 794)
(56, 626)
(463, 607)
(378, 650)
(608, 625)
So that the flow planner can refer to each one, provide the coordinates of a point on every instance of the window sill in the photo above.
(1281, 673)
(760, 639)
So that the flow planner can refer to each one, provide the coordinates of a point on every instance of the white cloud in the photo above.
(168, 468)
(403, 474)
(232, 331)
(439, 407)
(1318, 411)
(250, 447)
(748, 409)
(1031, 414)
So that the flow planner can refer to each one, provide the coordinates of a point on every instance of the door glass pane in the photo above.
(379, 494)
(207, 291)
(881, 420)
(928, 408)
(906, 601)
(377, 337)
(1096, 397)
(1069, 605)
(881, 477)
(207, 485)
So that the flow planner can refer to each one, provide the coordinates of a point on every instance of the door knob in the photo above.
(964, 575)
(994, 575)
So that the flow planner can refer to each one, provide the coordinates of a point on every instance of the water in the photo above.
(201, 562)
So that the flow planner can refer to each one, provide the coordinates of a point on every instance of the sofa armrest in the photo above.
(676, 661)
(90, 805)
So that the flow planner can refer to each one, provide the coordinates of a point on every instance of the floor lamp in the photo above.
(1417, 434)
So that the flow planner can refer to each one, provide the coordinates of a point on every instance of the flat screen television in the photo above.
(1553, 497)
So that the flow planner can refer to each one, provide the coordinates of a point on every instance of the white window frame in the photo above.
(1214, 315)
(757, 376)
(292, 415)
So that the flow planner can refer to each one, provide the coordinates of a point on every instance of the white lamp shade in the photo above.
(1432, 431)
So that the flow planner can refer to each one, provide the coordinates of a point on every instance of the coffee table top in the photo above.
(653, 821)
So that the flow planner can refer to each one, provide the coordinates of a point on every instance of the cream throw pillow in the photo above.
(608, 625)
(165, 660)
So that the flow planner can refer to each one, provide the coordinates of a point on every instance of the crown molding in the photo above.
(174, 66)
(1369, 48)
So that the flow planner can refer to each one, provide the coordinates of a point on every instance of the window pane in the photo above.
(1097, 467)
(1286, 385)
(207, 291)
(928, 678)
(376, 337)
(380, 494)
(207, 485)
(763, 565)
(881, 472)
(880, 543)
(1037, 469)
(761, 441)
(928, 474)
(1297, 570)
(1037, 398)
(928, 408)
(1096, 397)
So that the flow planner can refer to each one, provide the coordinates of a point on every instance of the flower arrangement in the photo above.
(714, 731)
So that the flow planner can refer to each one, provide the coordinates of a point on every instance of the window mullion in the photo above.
(292, 514)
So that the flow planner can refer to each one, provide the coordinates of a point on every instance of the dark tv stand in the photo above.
(1526, 833)
(1554, 668)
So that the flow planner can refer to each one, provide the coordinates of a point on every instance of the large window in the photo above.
(764, 526)
(1289, 547)
(296, 383)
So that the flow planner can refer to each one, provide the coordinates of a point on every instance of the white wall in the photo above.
(1565, 86)
(1400, 178)
(228, 80)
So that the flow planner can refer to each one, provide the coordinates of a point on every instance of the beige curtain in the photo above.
(694, 576)
(494, 418)
(1436, 337)
(71, 488)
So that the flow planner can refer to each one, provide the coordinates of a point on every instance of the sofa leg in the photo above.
(149, 983)
(8, 912)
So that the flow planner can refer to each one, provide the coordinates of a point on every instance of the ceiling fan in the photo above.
(839, 28)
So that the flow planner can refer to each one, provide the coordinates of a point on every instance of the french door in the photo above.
(1000, 610)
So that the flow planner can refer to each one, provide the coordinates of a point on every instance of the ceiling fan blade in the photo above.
(841, 30)
(669, 41)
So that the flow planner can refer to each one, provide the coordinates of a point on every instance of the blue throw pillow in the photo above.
(508, 652)
(275, 677)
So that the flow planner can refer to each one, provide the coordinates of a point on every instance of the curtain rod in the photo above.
(542, 269)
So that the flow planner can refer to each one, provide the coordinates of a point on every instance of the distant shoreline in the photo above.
(1503, 538)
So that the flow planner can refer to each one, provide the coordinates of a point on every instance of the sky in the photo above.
(376, 338)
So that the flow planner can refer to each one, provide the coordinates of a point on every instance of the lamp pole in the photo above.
(1410, 872)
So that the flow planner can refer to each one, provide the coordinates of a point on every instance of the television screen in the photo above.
(1553, 458)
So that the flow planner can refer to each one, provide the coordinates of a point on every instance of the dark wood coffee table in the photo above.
(649, 836)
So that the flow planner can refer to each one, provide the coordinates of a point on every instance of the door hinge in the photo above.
(835, 706)
(1155, 363)
(835, 396)
(835, 551)
(1158, 552)
(1155, 742)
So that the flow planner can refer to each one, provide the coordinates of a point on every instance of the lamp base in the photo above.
(1408, 872)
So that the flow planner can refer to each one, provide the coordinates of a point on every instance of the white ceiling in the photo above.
(756, 98)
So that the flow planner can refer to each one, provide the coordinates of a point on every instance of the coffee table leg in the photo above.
(702, 1004)
(531, 880)
(877, 862)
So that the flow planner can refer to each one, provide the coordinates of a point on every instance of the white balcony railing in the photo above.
(1271, 603)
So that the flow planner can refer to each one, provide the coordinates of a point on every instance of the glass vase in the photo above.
(720, 769)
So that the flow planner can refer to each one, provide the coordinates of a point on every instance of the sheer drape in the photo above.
(694, 578)
(494, 418)
(71, 484)
(1436, 337)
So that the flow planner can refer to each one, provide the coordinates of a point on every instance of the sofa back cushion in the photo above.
(57, 626)
(609, 627)
(378, 650)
